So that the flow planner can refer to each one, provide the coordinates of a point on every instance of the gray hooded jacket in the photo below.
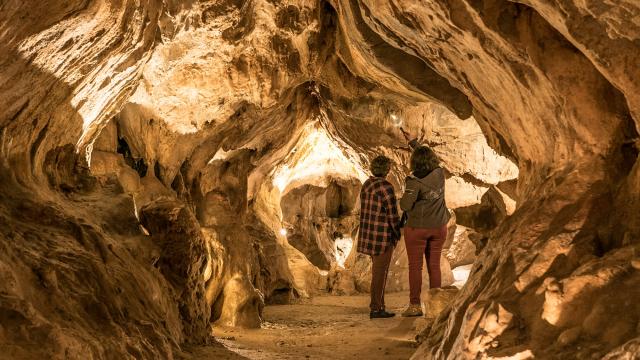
(423, 201)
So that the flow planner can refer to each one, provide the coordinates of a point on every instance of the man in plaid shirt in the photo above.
(379, 230)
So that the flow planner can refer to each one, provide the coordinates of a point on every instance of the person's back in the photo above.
(424, 200)
(379, 230)
(376, 230)
(427, 216)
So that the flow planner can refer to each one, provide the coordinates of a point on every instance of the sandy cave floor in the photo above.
(325, 327)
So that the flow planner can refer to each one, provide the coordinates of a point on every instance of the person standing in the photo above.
(427, 216)
(379, 230)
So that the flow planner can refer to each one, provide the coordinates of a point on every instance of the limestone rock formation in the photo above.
(183, 258)
(436, 301)
(485, 216)
(462, 250)
(132, 132)
(317, 218)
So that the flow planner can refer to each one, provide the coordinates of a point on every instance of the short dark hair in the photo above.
(380, 166)
(424, 159)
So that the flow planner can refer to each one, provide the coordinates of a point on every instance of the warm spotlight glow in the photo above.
(283, 232)
(461, 275)
(396, 120)
(315, 158)
(342, 249)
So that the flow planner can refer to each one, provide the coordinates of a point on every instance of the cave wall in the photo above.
(70, 268)
(73, 254)
(316, 217)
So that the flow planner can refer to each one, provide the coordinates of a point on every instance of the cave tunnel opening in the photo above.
(312, 192)
(320, 197)
(323, 233)
(304, 204)
(318, 186)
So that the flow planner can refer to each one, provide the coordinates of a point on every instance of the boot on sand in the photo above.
(412, 310)
(380, 314)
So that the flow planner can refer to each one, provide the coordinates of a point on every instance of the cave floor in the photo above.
(325, 327)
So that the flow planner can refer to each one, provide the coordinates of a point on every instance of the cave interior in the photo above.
(174, 170)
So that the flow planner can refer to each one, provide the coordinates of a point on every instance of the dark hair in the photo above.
(424, 159)
(380, 166)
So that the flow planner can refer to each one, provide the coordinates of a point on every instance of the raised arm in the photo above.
(414, 143)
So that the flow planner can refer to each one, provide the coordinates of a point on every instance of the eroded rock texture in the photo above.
(318, 217)
(147, 149)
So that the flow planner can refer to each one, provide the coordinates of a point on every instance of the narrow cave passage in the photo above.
(182, 179)
(295, 269)
(312, 195)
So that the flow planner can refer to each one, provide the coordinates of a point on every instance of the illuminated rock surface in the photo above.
(153, 152)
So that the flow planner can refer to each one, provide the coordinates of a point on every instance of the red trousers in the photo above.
(425, 242)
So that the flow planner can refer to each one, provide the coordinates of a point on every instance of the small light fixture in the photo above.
(396, 120)
(283, 232)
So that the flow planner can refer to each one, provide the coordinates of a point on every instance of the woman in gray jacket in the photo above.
(426, 227)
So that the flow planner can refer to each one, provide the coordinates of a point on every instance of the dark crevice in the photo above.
(36, 144)
(138, 164)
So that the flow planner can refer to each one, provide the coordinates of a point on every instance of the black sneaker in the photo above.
(381, 314)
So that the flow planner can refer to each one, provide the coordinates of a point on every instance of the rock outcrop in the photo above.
(182, 261)
(316, 218)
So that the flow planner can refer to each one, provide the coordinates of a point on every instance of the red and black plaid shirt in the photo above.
(379, 219)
